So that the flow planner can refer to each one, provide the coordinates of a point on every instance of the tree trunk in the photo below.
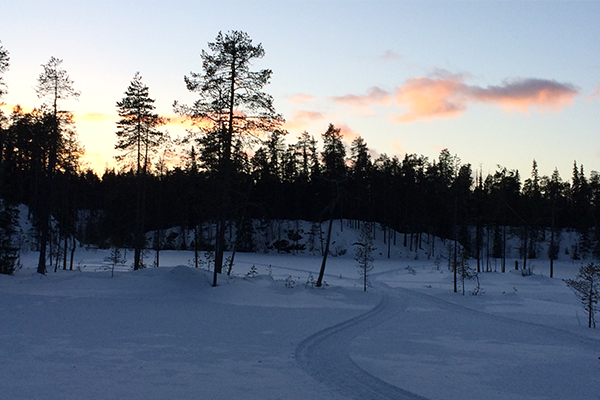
(324, 262)
(504, 248)
(196, 245)
(73, 247)
(552, 244)
(157, 245)
(590, 298)
(389, 242)
(65, 244)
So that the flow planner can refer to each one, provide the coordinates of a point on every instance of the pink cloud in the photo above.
(301, 118)
(521, 94)
(301, 98)
(594, 96)
(347, 133)
(363, 103)
(447, 96)
(428, 98)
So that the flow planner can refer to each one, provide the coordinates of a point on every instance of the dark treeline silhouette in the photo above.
(227, 179)
(413, 195)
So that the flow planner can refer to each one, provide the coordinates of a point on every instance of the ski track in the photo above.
(325, 355)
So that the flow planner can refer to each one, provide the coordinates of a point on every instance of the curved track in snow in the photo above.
(325, 355)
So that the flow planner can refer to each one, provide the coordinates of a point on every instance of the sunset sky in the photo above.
(497, 83)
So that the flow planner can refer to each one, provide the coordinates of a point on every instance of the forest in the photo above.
(239, 167)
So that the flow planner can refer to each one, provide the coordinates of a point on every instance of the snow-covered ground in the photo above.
(165, 333)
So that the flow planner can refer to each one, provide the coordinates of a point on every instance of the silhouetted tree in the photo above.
(55, 84)
(231, 103)
(9, 247)
(334, 154)
(364, 252)
(4, 64)
(553, 189)
(138, 138)
(587, 289)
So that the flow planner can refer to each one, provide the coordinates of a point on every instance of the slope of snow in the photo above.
(165, 332)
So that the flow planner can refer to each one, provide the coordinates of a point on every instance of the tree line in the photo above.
(239, 165)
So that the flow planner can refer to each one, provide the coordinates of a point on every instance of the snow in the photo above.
(165, 333)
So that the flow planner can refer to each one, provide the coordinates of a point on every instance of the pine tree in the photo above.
(4, 64)
(360, 157)
(553, 189)
(55, 84)
(231, 102)
(307, 155)
(334, 154)
(138, 139)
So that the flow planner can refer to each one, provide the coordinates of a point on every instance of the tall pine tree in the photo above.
(231, 102)
(54, 84)
(138, 139)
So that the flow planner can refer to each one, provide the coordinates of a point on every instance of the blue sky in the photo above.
(494, 82)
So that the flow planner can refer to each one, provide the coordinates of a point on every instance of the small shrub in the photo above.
(290, 282)
(527, 271)
(253, 272)
(587, 289)
(311, 281)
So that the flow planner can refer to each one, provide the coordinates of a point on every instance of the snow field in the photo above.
(164, 333)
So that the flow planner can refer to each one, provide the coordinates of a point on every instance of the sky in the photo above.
(496, 83)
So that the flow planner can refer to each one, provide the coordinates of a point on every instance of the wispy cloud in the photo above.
(594, 96)
(302, 118)
(301, 98)
(347, 133)
(522, 94)
(447, 96)
(397, 146)
(363, 103)
(390, 55)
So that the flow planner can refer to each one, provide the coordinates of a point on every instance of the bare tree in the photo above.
(364, 252)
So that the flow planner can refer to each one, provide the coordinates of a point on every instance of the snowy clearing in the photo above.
(165, 332)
